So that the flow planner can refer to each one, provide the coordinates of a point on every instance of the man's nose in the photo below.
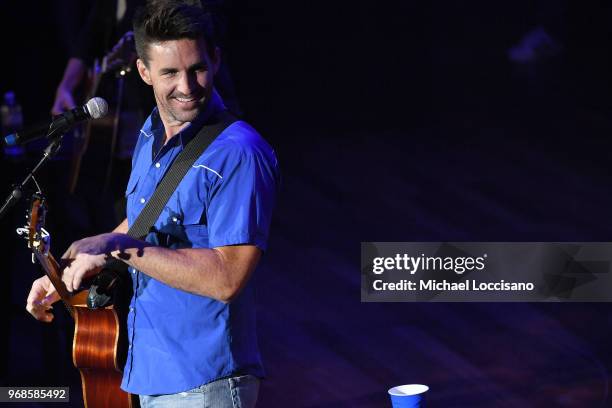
(188, 84)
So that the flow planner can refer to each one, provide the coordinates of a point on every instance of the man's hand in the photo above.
(73, 74)
(64, 101)
(87, 257)
(123, 55)
(41, 297)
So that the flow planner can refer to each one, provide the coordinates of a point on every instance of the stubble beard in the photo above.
(175, 115)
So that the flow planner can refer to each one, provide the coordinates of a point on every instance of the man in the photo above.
(191, 325)
(107, 27)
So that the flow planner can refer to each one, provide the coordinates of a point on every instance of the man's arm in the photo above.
(73, 74)
(122, 228)
(219, 272)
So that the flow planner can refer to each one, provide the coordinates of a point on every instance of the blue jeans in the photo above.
(232, 392)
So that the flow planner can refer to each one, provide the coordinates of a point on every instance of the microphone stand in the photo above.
(50, 151)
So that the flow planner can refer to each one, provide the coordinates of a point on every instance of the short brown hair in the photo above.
(167, 20)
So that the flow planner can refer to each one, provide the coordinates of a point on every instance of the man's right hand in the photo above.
(73, 75)
(41, 298)
(63, 101)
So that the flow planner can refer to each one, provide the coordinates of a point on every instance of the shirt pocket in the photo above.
(184, 217)
(194, 216)
(132, 183)
(189, 200)
(130, 191)
(195, 228)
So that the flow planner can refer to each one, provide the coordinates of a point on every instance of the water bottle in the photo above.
(12, 121)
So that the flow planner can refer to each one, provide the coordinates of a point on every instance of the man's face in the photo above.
(181, 73)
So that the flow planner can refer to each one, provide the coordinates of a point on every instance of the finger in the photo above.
(77, 271)
(87, 267)
(72, 287)
(76, 279)
(41, 312)
(68, 253)
(37, 291)
(51, 296)
(40, 298)
(68, 276)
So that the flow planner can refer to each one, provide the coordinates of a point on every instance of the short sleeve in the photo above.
(242, 200)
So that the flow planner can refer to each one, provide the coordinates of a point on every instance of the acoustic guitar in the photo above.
(99, 342)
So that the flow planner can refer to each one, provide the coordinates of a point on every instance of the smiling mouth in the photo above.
(186, 100)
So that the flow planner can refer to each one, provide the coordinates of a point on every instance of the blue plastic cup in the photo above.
(408, 396)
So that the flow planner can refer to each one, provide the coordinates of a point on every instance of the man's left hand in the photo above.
(87, 257)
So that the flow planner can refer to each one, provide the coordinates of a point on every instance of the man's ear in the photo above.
(216, 60)
(143, 71)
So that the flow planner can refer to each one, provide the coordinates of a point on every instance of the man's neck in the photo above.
(172, 129)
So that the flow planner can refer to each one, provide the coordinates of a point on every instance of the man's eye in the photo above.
(169, 74)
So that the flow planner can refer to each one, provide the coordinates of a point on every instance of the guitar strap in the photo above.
(103, 286)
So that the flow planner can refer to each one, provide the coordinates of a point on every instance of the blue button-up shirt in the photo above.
(179, 340)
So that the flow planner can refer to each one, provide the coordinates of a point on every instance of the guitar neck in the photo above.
(52, 270)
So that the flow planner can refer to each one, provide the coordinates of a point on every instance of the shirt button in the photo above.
(131, 309)
(174, 219)
(157, 165)
(142, 200)
(130, 346)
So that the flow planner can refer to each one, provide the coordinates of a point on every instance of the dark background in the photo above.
(393, 121)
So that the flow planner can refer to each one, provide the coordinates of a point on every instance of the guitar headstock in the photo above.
(39, 242)
(122, 57)
(37, 236)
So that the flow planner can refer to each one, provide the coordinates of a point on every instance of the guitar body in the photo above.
(97, 354)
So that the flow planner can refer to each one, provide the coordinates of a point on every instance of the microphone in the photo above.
(95, 108)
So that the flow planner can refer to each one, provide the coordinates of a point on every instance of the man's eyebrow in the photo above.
(167, 70)
(198, 65)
